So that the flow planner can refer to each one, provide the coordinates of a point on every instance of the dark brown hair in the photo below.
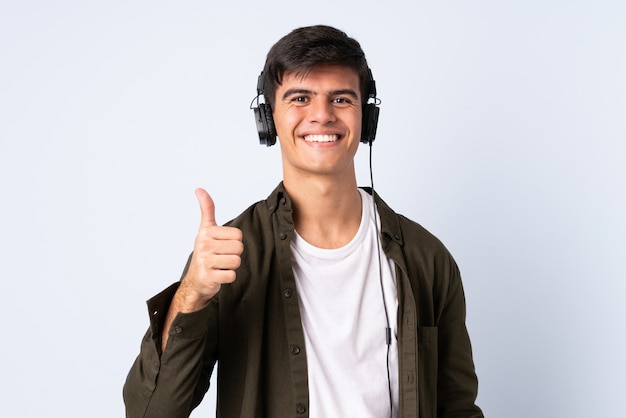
(305, 48)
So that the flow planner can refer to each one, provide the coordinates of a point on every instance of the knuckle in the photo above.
(234, 233)
(229, 276)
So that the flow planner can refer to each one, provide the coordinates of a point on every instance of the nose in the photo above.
(321, 111)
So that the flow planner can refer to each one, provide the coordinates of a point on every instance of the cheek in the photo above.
(285, 121)
(356, 122)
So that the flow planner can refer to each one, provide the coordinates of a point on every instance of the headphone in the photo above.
(265, 120)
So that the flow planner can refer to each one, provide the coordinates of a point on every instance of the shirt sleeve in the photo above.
(172, 383)
(457, 381)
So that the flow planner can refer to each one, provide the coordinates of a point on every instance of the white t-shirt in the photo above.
(343, 317)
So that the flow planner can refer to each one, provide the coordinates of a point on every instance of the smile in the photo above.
(321, 138)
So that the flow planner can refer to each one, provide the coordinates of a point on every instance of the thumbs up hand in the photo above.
(216, 256)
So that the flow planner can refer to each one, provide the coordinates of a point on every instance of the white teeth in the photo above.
(321, 138)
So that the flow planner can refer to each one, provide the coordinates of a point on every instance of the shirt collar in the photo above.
(390, 224)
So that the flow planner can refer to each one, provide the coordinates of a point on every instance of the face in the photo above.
(318, 122)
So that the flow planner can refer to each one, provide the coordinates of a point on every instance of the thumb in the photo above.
(207, 208)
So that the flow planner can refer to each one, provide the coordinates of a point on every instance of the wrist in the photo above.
(188, 299)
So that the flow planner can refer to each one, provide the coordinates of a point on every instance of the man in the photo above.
(319, 301)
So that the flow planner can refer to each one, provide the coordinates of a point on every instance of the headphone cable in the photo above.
(382, 289)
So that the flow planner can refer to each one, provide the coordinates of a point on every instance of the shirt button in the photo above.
(397, 237)
(295, 349)
(178, 329)
(283, 235)
(287, 293)
(283, 201)
(300, 409)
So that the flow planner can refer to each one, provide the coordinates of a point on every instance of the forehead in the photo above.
(326, 75)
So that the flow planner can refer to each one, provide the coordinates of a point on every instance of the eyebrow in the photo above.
(340, 92)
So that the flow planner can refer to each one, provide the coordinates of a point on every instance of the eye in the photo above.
(343, 101)
(300, 99)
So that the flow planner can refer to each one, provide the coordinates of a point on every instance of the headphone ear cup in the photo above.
(265, 124)
(271, 129)
(370, 123)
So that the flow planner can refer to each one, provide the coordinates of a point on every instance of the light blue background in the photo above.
(503, 130)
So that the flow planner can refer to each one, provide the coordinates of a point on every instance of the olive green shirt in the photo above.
(252, 329)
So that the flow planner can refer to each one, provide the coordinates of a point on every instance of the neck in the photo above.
(327, 214)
